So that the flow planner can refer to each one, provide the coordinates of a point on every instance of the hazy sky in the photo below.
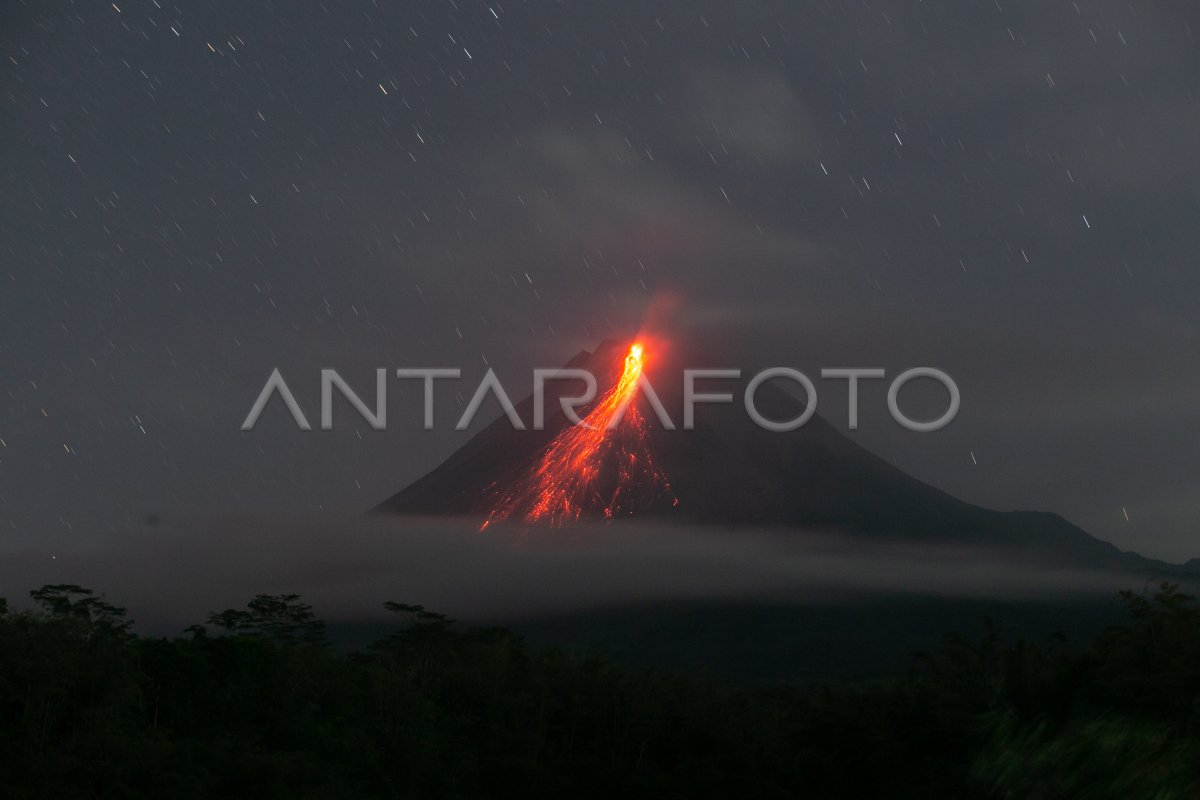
(192, 194)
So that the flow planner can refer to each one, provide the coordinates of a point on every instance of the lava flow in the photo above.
(603, 464)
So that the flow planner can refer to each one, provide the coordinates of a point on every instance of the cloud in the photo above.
(752, 113)
(347, 566)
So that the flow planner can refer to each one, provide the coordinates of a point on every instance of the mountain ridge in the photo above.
(729, 472)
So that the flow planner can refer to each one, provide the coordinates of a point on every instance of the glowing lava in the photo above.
(604, 464)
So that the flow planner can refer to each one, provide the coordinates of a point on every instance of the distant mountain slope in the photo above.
(728, 471)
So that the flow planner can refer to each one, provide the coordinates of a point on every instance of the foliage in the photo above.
(280, 617)
(261, 706)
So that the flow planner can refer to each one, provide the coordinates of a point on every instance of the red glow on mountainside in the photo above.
(604, 464)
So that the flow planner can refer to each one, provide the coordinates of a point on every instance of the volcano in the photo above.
(726, 471)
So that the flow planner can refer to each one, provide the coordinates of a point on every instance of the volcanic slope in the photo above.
(728, 471)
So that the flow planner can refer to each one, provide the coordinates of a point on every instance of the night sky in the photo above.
(193, 194)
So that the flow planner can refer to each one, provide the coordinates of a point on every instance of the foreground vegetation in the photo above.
(255, 704)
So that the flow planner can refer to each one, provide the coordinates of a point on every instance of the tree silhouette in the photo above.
(281, 617)
(437, 709)
(69, 601)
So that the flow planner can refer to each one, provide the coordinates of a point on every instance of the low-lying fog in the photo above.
(174, 573)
